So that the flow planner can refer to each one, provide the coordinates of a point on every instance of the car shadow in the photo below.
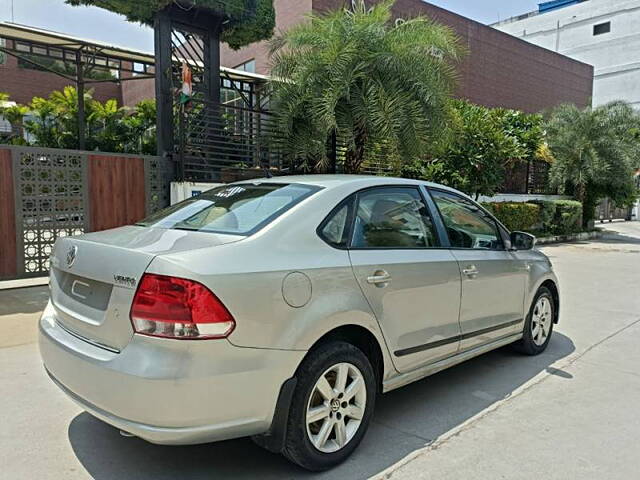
(405, 420)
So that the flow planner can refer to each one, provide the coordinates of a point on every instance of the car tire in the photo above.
(307, 443)
(538, 326)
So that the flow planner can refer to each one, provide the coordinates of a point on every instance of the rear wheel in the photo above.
(331, 407)
(539, 324)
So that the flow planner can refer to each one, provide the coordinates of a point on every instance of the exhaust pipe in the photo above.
(126, 434)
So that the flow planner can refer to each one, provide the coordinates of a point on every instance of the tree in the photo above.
(246, 21)
(528, 131)
(367, 80)
(478, 145)
(596, 150)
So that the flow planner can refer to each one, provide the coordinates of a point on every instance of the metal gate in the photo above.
(608, 210)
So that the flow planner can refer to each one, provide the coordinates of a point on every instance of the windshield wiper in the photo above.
(187, 229)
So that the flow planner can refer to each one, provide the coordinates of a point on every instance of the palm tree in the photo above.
(65, 105)
(106, 120)
(374, 83)
(41, 126)
(595, 150)
(140, 127)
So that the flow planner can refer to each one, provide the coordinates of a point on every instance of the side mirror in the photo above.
(522, 241)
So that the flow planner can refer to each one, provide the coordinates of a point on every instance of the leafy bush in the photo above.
(547, 214)
(478, 144)
(53, 123)
(545, 217)
(568, 217)
(516, 216)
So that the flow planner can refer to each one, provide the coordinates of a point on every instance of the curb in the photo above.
(24, 283)
(574, 237)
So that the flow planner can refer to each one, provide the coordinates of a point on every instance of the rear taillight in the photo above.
(178, 308)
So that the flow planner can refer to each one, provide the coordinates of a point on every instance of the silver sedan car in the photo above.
(279, 308)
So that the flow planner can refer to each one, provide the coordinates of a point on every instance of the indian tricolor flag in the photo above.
(187, 85)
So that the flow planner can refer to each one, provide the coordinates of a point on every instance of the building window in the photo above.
(3, 57)
(248, 66)
(602, 28)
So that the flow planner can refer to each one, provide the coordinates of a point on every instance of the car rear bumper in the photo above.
(169, 391)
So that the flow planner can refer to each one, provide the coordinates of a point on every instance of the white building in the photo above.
(602, 33)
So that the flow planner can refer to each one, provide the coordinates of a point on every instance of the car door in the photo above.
(493, 278)
(412, 285)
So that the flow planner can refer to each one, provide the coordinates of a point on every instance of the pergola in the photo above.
(34, 46)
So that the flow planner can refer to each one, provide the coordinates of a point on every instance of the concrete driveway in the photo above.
(573, 412)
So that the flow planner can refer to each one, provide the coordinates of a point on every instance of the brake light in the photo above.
(173, 307)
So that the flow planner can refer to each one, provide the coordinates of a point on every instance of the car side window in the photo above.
(468, 226)
(392, 217)
(334, 229)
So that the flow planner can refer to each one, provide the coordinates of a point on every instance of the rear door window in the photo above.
(335, 229)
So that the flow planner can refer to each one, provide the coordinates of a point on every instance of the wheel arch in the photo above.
(361, 338)
(553, 288)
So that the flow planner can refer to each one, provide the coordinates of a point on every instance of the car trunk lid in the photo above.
(94, 277)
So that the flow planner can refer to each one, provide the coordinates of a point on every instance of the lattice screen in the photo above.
(159, 173)
(51, 194)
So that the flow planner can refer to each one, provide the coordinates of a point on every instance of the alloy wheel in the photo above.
(336, 407)
(541, 321)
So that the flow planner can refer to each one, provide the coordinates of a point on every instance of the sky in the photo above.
(97, 24)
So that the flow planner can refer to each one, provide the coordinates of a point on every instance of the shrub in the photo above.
(547, 214)
(546, 217)
(568, 217)
(516, 216)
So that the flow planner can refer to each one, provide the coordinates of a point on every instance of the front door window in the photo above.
(467, 225)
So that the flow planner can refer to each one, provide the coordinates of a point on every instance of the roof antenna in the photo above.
(13, 17)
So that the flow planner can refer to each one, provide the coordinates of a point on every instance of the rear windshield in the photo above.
(239, 209)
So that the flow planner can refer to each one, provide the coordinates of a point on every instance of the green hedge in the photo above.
(516, 216)
(568, 218)
(545, 217)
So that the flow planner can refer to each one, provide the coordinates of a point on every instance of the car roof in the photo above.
(329, 181)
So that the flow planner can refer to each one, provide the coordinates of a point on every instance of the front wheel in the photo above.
(331, 407)
(539, 324)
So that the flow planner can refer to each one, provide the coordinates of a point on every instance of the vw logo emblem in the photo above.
(71, 255)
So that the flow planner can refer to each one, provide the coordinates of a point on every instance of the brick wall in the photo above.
(499, 70)
(134, 91)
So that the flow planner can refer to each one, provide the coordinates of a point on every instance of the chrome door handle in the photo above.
(379, 278)
(470, 271)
